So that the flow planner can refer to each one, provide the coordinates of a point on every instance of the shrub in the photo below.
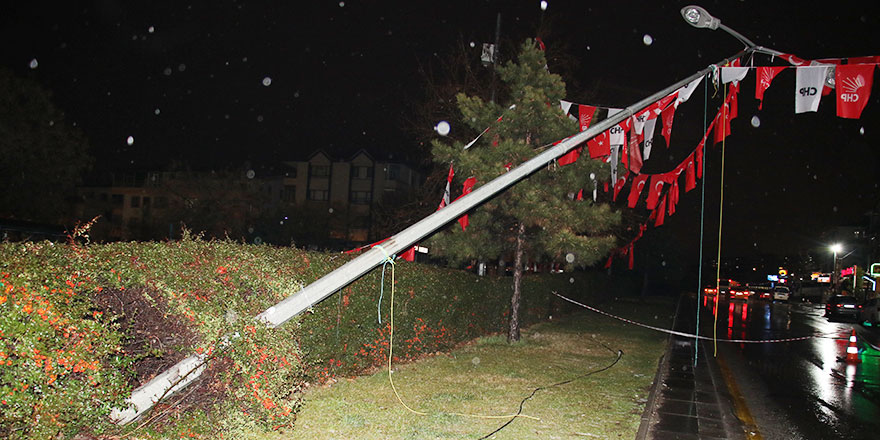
(82, 325)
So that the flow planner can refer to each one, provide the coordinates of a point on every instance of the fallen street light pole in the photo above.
(187, 370)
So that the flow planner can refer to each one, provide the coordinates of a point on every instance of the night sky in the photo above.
(218, 83)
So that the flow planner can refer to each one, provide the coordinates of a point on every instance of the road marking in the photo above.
(739, 403)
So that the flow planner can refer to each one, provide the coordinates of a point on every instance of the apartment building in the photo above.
(317, 200)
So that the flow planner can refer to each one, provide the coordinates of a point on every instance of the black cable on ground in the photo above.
(523, 402)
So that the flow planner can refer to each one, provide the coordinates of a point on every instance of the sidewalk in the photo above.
(688, 402)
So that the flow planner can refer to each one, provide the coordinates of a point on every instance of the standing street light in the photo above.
(835, 248)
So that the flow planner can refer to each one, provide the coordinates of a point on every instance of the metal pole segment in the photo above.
(145, 396)
(354, 269)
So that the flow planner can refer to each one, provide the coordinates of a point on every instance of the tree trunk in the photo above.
(513, 333)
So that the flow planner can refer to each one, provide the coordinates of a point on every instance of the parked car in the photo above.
(840, 306)
(870, 312)
(781, 293)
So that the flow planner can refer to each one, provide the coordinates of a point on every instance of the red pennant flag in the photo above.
(765, 77)
(732, 94)
(863, 60)
(466, 189)
(585, 115)
(570, 157)
(468, 186)
(446, 193)
(599, 146)
(853, 89)
(690, 177)
(619, 186)
(580, 195)
(608, 263)
(605, 184)
(722, 126)
(636, 190)
(409, 255)
(635, 155)
(698, 157)
(656, 187)
(793, 60)
(668, 115)
(661, 212)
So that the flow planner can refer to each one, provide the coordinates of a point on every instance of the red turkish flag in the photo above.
(853, 89)
(690, 177)
(793, 60)
(619, 186)
(661, 212)
(598, 146)
(466, 189)
(636, 190)
(570, 157)
(722, 126)
(580, 195)
(863, 60)
(765, 77)
(668, 115)
(635, 155)
(654, 190)
(585, 115)
(732, 95)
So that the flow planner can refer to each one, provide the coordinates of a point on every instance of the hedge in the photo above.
(82, 325)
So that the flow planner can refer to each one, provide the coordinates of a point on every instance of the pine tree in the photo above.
(540, 218)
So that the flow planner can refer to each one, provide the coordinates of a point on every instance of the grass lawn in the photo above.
(490, 377)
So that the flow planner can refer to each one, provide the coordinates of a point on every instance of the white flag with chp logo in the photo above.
(809, 81)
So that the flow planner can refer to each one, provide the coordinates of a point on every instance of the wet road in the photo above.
(800, 389)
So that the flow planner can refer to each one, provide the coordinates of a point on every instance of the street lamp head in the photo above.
(836, 248)
(699, 17)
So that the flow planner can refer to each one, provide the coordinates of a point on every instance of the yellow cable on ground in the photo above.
(391, 356)
(720, 223)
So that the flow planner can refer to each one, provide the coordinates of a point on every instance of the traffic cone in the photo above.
(852, 351)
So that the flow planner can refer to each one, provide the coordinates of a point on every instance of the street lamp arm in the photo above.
(698, 17)
(742, 38)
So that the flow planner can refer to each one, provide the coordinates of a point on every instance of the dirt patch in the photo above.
(154, 336)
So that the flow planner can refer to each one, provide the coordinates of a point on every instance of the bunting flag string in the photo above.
(631, 141)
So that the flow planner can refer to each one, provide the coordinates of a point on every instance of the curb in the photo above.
(650, 407)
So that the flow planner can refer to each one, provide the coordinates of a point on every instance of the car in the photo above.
(740, 292)
(841, 306)
(870, 312)
(761, 292)
(722, 287)
(781, 293)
